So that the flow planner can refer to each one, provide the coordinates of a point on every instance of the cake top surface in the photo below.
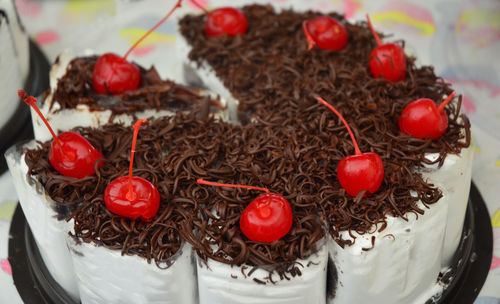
(76, 88)
(288, 143)
(172, 152)
(275, 78)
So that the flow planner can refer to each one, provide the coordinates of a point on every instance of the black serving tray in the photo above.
(464, 281)
(19, 126)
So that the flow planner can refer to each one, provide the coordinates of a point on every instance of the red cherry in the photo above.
(362, 171)
(114, 74)
(132, 196)
(70, 153)
(224, 20)
(143, 203)
(266, 219)
(325, 32)
(387, 60)
(422, 119)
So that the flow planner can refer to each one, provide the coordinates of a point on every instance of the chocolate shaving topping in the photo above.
(276, 79)
(288, 143)
(172, 153)
(76, 88)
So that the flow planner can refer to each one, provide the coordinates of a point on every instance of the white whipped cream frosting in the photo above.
(225, 284)
(107, 276)
(82, 116)
(49, 232)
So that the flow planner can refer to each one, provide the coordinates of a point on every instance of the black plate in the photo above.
(465, 279)
(19, 125)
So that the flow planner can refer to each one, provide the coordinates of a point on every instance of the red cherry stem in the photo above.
(377, 38)
(442, 105)
(309, 38)
(201, 181)
(131, 194)
(31, 101)
(200, 7)
(153, 29)
(356, 148)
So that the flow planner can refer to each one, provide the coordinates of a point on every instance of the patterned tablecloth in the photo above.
(460, 38)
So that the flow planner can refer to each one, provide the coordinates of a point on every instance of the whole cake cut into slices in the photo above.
(365, 204)
(276, 70)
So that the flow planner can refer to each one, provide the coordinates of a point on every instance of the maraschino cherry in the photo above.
(325, 32)
(224, 20)
(387, 60)
(114, 74)
(266, 219)
(422, 119)
(70, 153)
(132, 196)
(362, 171)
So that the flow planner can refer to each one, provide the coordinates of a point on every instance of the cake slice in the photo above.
(72, 100)
(122, 259)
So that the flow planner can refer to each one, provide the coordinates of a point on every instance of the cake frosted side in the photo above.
(44, 218)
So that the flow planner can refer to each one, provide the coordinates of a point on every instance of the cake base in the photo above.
(19, 125)
(464, 280)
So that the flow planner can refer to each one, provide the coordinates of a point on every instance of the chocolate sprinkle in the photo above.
(288, 143)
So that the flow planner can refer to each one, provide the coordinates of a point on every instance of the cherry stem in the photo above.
(31, 101)
(377, 38)
(201, 181)
(137, 125)
(448, 99)
(310, 40)
(200, 7)
(153, 29)
(356, 148)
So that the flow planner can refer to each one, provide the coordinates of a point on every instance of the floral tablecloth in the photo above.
(460, 38)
